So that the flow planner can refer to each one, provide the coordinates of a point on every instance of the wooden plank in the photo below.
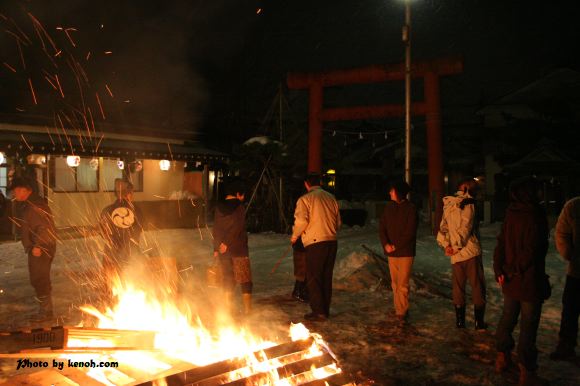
(340, 379)
(57, 338)
(144, 340)
(196, 374)
(15, 341)
(43, 377)
(287, 371)
(79, 377)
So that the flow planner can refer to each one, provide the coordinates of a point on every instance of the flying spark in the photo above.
(32, 91)
(10, 67)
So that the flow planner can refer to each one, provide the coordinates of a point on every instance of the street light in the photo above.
(407, 41)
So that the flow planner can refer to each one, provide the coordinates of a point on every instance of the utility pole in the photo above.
(407, 42)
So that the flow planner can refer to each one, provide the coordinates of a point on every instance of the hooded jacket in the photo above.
(457, 227)
(317, 217)
(37, 226)
(230, 228)
(520, 253)
(568, 236)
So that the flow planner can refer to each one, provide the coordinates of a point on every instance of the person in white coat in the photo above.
(459, 238)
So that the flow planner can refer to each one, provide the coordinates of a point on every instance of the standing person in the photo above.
(230, 241)
(519, 264)
(300, 291)
(316, 221)
(398, 234)
(568, 245)
(121, 228)
(458, 236)
(38, 235)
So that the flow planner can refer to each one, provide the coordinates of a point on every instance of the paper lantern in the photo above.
(73, 161)
(164, 164)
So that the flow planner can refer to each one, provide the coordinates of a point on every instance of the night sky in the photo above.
(213, 67)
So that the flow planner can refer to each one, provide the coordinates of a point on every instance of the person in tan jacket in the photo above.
(458, 237)
(568, 245)
(316, 221)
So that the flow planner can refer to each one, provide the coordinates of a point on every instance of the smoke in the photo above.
(152, 63)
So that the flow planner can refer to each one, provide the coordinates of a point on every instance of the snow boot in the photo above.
(503, 361)
(530, 378)
(479, 315)
(247, 301)
(45, 309)
(300, 291)
(296, 291)
(459, 316)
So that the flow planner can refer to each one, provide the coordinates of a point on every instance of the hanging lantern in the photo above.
(2, 158)
(94, 164)
(36, 159)
(73, 161)
(164, 165)
(120, 164)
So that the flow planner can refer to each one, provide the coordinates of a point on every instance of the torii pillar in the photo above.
(430, 72)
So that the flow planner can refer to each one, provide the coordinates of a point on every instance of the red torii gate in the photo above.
(430, 71)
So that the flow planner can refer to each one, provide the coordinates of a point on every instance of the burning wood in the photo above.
(301, 362)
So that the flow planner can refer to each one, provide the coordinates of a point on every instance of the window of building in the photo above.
(3, 179)
(111, 172)
(130, 172)
(64, 178)
(134, 173)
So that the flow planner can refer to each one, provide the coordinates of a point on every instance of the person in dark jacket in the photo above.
(38, 235)
(568, 245)
(230, 241)
(519, 265)
(398, 234)
(121, 228)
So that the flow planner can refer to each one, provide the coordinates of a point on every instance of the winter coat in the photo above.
(37, 227)
(457, 227)
(398, 226)
(230, 228)
(317, 217)
(520, 253)
(121, 228)
(568, 235)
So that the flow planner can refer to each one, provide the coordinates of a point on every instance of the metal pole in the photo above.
(407, 41)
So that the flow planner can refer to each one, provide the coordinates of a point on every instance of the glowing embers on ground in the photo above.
(187, 352)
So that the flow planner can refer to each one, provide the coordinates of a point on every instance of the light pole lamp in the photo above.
(407, 42)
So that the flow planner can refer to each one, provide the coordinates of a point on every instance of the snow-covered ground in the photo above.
(362, 330)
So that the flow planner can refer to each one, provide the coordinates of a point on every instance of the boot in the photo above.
(296, 291)
(304, 295)
(300, 291)
(247, 301)
(479, 313)
(530, 378)
(45, 309)
(459, 316)
(503, 361)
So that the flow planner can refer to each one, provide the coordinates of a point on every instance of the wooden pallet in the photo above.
(290, 359)
(58, 338)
